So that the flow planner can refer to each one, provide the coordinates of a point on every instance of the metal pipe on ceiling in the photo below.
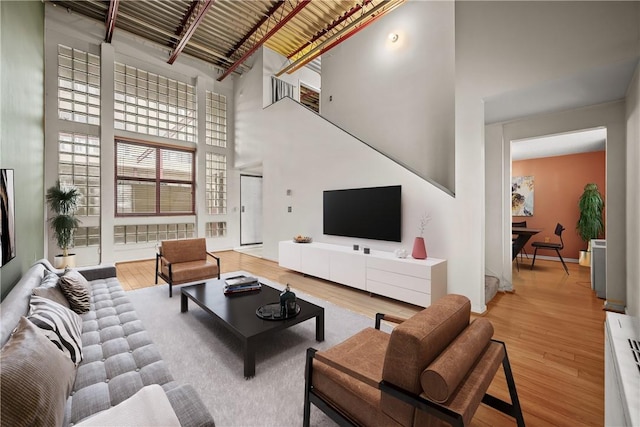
(111, 19)
(198, 17)
(383, 8)
(301, 5)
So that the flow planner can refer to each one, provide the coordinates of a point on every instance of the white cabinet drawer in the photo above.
(348, 269)
(413, 283)
(402, 294)
(406, 267)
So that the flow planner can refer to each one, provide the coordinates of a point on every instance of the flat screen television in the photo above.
(370, 213)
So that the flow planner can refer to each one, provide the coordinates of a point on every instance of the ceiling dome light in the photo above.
(393, 37)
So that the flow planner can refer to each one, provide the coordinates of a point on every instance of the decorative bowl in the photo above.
(302, 239)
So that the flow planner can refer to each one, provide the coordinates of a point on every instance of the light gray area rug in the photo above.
(199, 351)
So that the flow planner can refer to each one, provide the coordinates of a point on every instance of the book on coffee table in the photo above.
(242, 288)
(232, 282)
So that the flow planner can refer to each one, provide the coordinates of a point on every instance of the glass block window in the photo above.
(87, 236)
(216, 120)
(78, 86)
(154, 180)
(154, 105)
(216, 229)
(79, 165)
(216, 183)
(130, 234)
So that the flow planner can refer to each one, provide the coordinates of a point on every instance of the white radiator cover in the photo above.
(622, 370)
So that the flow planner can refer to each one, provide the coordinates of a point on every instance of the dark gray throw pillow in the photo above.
(76, 289)
(61, 325)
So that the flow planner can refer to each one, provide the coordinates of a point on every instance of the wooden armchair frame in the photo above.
(433, 408)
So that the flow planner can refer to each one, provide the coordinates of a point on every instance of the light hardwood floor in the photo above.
(553, 326)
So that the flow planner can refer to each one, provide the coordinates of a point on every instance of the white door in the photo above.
(250, 209)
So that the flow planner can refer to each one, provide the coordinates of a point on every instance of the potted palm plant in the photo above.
(63, 202)
(590, 224)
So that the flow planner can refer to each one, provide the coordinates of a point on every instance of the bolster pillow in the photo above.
(442, 377)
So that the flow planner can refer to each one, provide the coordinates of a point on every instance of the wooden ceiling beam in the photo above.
(301, 5)
(198, 16)
(111, 20)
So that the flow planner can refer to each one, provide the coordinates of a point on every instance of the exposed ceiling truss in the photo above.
(227, 32)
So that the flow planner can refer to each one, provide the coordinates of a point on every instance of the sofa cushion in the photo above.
(191, 271)
(61, 325)
(119, 357)
(148, 407)
(442, 377)
(35, 379)
(76, 289)
(53, 294)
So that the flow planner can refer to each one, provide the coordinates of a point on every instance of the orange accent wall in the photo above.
(558, 183)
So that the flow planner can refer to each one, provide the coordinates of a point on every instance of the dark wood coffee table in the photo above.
(237, 313)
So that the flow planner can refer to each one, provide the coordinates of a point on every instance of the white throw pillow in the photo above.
(148, 407)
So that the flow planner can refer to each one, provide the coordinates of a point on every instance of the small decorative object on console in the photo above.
(287, 302)
(302, 239)
(400, 253)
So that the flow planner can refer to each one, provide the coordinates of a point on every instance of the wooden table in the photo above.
(524, 234)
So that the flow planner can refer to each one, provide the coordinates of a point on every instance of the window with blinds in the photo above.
(78, 86)
(79, 166)
(154, 105)
(154, 180)
(216, 183)
(216, 120)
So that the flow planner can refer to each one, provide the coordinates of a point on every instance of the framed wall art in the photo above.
(522, 196)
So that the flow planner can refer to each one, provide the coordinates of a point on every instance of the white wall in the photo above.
(633, 196)
(499, 137)
(327, 158)
(399, 97)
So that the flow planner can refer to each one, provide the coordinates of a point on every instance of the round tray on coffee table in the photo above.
(272, 312)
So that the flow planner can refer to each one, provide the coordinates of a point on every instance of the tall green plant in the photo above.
(591, 205)
(63, 201)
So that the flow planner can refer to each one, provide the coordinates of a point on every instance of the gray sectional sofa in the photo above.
(119, 358)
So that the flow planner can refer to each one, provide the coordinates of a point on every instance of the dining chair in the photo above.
(522, 224)
(551, 246)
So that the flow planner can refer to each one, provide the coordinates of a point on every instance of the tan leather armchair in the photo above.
(185, 261)
(433, 369)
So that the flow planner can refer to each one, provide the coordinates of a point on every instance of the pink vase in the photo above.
(419, 250)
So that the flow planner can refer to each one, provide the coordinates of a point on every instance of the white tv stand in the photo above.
(416, 281)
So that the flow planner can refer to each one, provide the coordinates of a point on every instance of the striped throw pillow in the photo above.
(61, 325)
(76, 289)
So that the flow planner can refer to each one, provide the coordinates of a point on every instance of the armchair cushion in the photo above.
(189, 271)
(365, 352)
(442, 377)
(466, 399)
(415, 343)
(178, 251)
